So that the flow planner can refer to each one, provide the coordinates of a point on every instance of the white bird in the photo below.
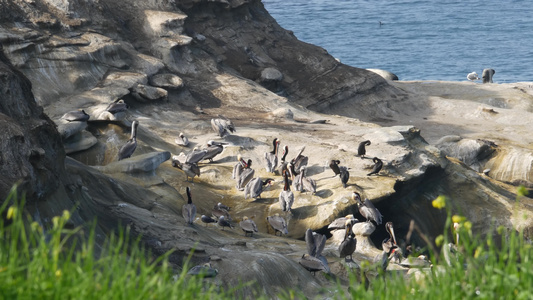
(472, 76)
(182, 140)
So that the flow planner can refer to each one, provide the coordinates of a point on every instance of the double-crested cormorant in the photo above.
(204, 270)
(271, 158)
(222, 125)
(367, 209)
(278, 224)
(188, 210)
(361, 150)
(206, 219)
(222, 222)
(117, 106)
(378, 164)
(254, 188)
(248, 226)
(286, 197)
(127, 149)
(246, 175)
(213, 149)
(345, 176)
(347, 247)
(77, 115)
(334, 165)
(182, 140)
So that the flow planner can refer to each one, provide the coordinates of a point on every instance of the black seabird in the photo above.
(378, 164)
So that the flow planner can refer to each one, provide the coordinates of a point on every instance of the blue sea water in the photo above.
(418, 40)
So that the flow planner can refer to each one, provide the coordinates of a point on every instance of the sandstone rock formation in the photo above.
(205, 58)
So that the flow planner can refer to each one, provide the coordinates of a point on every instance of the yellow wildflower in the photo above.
(440, 202)
(439, 240)
(458, 219)
(11, 212)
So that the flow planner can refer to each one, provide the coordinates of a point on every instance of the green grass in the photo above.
(62, 263)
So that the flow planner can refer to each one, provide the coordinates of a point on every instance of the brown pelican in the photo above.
(239, 166)
(345, 176)
(334, 165)
(389, 242)
(205, 270)
(271, 158)
(196, 155)
(219, 211)
(487, 75)
(278, 223)
(361, 150)
(182, 140)
(221, 125)
(313, 260)
(306, 184)
(246, 175)
(367, 209)
(117, 106)
(188, 210)
(127, 149)
(347, 247)
(248, 226)
(254, 188)
(286, 197)
(384, 258)
(300, 161)
(283, 164)
(213, 149)
(77, 115)
(189, 169)
(340, 223)
(205, 219)
(223, 223)
(378, 164)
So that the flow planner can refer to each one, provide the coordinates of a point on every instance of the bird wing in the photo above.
(127, 149)
(320, 243)
(282, 201)
(195, 156)
(245, 177)
(372, 211)
(309, 185)
(310, 242)
(237, 169)
(269, 159)
(278, 223)
(250, 187)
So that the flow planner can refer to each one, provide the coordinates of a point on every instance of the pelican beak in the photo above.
(393, 235)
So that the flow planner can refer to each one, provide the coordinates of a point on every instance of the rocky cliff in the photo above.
(177, 65)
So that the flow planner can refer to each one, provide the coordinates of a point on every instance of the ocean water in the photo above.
(418, 40)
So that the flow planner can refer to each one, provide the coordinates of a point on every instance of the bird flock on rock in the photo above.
(293, 173)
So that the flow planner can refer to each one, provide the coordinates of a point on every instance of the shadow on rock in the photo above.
(304, 212)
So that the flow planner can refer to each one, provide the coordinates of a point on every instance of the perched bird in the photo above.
(222, 206)
(283, 162)
(347, 247)
(306, 184)
(271, 158)
(239, 166)
(367, 209)
(189, 169)
(213, 149)
(219, 211)
(313, 260)
(487, 75)
(340, 223)
(378, 164)
(334, 166)
(248, 226)
(127, 149)
(206, 219)
(255, 187)
(117, 106)
(472, 76)
(196, 155)
(222, 125)
(300, 160)
(223, 223)
(205, 270)
(286, 197)
(182, 140)
(361, 150)
(76, 115)
(384, 258)
(246, 175)
(188, 210)
(278, 224)
(389, 242)
(345, 176)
